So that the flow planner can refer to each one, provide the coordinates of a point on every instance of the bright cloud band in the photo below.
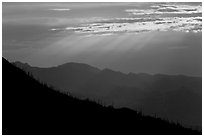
(144, 23)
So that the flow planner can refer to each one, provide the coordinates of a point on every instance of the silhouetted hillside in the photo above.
(30, 107)
(175, 97)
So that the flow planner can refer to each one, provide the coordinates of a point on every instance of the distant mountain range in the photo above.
(174, 97)
(33, 108)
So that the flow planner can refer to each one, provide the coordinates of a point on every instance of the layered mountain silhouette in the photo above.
(173, 97)
(30, 107)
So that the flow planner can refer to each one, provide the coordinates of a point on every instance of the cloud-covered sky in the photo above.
(129, 37)
(156, 17)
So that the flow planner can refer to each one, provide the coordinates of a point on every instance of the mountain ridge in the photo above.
(23, 64)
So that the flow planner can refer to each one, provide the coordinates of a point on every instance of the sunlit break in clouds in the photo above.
(60, 9)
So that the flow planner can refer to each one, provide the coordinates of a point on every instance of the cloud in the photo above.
(60, 9)
(99, 34)
(139, 25)
(183, 23)
(166, 9)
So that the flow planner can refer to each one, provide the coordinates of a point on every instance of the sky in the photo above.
(128, 37)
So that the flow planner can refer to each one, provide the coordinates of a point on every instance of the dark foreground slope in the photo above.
(29, 107)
